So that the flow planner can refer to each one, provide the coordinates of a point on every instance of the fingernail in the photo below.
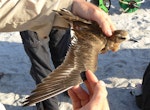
(83, 76)
(109, 32)
(102, 83)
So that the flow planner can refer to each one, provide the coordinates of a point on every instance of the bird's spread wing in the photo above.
(79, 58)
(60, 80)
(68, 73)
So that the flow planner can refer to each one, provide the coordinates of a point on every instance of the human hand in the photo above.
(89, 11)
(96, 99)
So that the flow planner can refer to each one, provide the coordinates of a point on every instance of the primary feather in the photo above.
(81, 56)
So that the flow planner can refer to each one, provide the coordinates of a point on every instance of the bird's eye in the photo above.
(122, 38)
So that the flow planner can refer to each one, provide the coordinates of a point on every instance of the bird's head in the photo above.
(119, 36)
(113, 42)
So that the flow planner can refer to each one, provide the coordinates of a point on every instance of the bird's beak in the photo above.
(133, 40)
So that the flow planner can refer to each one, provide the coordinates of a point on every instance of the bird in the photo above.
(90, 41)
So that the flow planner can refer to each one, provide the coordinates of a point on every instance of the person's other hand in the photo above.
(95, 99)
(89, 11)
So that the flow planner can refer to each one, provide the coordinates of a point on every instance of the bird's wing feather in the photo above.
(60, 80)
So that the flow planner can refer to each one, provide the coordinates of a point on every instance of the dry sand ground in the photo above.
(121, 70)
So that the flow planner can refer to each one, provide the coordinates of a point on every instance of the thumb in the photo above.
(99, 99)
(100, 91)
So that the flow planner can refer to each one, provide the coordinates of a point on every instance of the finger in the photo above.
(105, 23)
(112, 26)
(99, 98)
(75, 100)
(100, 90)
(91, 78)
(90, 82)
(81, 94)
(105, 105)
(106, 28)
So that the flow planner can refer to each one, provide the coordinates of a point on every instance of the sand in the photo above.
(121, 71)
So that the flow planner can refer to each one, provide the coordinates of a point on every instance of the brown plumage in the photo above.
(82, 56)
